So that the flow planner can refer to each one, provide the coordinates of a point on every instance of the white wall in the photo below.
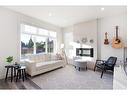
(102, 25)
(77, 32)
(108, 25)
(89, 30)
(8, 37)
(68, 38)
(10, 34)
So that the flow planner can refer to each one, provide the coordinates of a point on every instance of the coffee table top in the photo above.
(83, 60)
(22, 67)
(15, 66)
(9, 66)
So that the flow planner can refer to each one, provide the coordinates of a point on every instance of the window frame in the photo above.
(22, 31)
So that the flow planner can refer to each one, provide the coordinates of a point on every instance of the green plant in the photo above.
(9, 59)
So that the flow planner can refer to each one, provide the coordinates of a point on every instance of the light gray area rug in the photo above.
(70, 78)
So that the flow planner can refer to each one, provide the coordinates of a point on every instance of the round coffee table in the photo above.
(80, 63)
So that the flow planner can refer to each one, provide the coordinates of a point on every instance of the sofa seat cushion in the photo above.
(37, 58)
(47, 63)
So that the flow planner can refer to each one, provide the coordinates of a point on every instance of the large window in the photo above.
(50, 45)
(27, 44)
(40, 44)
(36, 40)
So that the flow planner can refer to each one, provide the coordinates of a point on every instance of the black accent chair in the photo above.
(106, 65)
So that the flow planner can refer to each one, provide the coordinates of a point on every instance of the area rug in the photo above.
(70, 78)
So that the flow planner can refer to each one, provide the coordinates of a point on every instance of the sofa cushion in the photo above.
(37, 57)
(44, 57)
(47, 57)
(54, 57)
(40, 58)
(46, 63)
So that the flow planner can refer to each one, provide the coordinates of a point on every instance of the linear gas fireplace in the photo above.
(85, 52)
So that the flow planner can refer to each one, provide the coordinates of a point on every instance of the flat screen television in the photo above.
(85, 52)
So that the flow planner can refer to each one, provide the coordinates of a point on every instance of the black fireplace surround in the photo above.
(89, 52)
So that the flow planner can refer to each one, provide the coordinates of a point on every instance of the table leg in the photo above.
(17, 75)
(22, 75)
(25, 73)
(14, 72)
(6, 74)
(11, 74)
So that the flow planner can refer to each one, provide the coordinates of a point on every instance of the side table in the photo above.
(9, 67)
(16, 68)
(21, 73)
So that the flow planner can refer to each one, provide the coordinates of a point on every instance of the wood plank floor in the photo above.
(27, 84)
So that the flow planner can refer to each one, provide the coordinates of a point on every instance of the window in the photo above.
(43, 32)
(40, 44)
(26, 44)
(30, 29)
(52, 34)
(36, 40)
(50, 45)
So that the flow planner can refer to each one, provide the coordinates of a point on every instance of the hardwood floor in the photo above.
(27, 84)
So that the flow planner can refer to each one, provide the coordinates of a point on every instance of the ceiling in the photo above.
(64, 16)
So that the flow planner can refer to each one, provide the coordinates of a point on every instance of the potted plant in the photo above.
(9, 59)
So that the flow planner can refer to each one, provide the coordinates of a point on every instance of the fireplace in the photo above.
(88, 52)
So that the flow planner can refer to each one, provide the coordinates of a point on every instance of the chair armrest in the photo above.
(101, 60)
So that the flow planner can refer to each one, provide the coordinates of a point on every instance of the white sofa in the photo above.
(40, 63)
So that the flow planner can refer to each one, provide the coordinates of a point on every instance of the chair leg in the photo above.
(94, 68)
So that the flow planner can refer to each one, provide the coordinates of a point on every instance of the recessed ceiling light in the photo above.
(102, 9)
(50, 14)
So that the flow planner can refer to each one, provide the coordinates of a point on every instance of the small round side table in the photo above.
(9, 67)
(21, 73)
